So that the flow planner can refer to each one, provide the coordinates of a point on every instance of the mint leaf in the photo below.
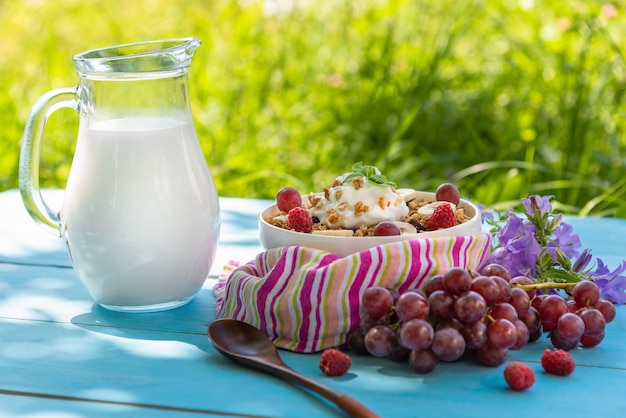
(371, 173)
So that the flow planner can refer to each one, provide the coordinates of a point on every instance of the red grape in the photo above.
(470, 307)
(534, 335)
(416, 334)
(607, 309)
(572, 306)
(356, 342)
(502, 333)
(288, 198)
(368, 322)
(441, 304)
(448, 344)
(522, 335)
(376, 301)
(504, 310)
(519, 300)
(494, 269)
(449, 323)
(538, 300)
(591, 341)
(571, 326)
(448, 192)
(559, 341)
(386, 228)
(532, 319)
(423, 361)
(505, 288)
(434, 283)
(457, 281)
(492, 356)
(487, 287)
(552, 307)
(380, 341)
(586, 293)
(412, 305)
(593, 322)
(475, 334)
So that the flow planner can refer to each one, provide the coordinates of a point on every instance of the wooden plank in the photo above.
(179, 370)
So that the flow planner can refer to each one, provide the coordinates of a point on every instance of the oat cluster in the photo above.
(335, 214)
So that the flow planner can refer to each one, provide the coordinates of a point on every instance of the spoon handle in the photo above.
(348, 404)
(353, 407)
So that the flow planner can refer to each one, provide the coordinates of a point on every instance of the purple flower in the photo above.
(512, 229)
(569, 242)
(524, 251)
(565, 240)
(611, 283)
(503, 257)
(543, 243)
(518, 249)
(536, 202)
(582, 261)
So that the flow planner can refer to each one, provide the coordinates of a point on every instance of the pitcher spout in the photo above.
(150, 59)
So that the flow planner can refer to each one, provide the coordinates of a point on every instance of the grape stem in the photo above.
(547, 285)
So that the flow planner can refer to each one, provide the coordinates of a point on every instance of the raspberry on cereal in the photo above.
(299, 219)
(442, 217)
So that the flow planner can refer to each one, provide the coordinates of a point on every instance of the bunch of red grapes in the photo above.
(486, 313)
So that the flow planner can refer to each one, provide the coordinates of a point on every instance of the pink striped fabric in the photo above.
(307, 300)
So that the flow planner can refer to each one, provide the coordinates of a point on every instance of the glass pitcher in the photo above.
(140, 214)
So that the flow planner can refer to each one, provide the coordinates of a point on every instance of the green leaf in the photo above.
(559, 275)
(371, 173)
(563, 260)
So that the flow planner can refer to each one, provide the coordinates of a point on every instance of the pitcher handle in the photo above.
(30, 155)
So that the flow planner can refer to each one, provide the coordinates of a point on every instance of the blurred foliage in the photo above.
(505, 98)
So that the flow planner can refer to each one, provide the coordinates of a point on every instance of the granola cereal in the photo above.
(358, 201)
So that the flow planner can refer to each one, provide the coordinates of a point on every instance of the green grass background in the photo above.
(505, 98)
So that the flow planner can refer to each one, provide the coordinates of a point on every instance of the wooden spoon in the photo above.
(247, 345)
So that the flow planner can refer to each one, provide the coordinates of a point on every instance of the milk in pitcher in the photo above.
(129, 175)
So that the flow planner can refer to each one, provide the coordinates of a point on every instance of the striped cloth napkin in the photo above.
(307, 300)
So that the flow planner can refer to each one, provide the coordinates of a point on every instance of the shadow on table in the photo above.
(186, 324)
(175, 342)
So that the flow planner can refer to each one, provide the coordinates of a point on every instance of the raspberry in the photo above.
(519, 376)
(334, 362)
(442, 217)
(557, 362)
(299, 219)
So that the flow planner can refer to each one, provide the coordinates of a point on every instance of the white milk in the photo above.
(140, 215)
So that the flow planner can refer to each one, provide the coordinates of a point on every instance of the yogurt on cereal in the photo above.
(356, 202)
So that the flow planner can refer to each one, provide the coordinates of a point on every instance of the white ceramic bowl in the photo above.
(273, 237)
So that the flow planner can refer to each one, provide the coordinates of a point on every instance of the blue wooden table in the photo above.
(61, 355)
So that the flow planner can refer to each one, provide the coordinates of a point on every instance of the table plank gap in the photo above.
(133, 404)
